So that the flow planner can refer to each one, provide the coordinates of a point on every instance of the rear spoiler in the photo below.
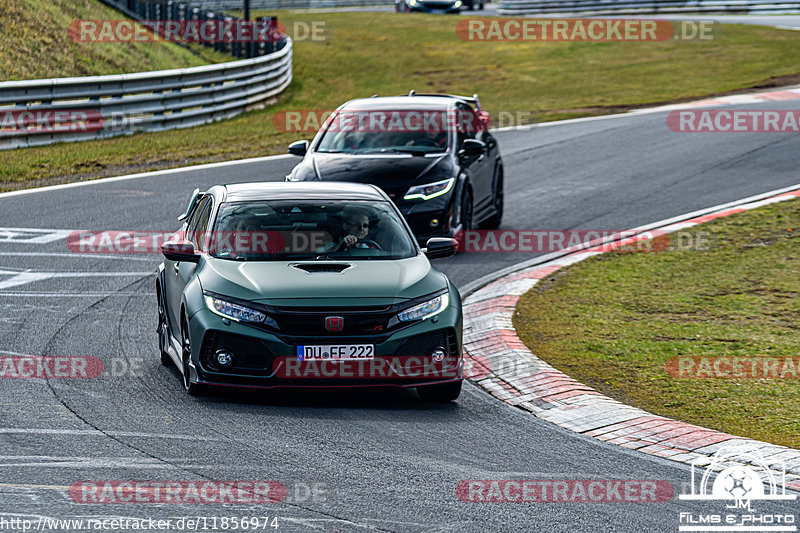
(469, 99)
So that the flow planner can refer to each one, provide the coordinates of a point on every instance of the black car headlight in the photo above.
(427, 309)
(429, 190)
(237, 312)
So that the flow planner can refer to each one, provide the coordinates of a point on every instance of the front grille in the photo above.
(250, 356)
(357, 321)
(422, 345)
(452, 343)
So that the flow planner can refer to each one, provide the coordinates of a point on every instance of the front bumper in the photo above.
(268, 360)
(434, 7)
(420, 217)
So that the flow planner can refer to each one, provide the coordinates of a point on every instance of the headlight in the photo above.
(429, 190)
(425, 310)
(238, 312)
(412, 2)
(457, 4)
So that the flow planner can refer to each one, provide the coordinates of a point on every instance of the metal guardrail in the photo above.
(236, 5)
(174, 10)
(146, 101)
(623, 7)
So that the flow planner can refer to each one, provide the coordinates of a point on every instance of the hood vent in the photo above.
(327, 266)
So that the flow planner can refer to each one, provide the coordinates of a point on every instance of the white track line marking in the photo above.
(24, 278)
(127, 257)
(146, 175)
(96, 433)
(33, 235)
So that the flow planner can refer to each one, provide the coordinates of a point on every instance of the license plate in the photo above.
(336, 352)
(438, 11)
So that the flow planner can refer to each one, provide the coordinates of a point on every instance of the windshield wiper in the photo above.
(412, 151)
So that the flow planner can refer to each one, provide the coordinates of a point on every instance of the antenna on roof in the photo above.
(412, 92)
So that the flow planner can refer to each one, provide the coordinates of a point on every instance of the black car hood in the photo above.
(392, 173)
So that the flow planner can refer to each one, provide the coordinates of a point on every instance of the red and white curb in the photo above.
(503, 366)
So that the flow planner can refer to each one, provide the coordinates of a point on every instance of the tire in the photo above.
(494, 221)
(466, 211)
(192, 389)
(162, 330)
(443, 392)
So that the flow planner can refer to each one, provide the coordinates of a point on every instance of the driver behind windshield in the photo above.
(355, 230)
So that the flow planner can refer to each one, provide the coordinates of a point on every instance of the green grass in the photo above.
(388, 53)
(614, 321)
(34, 43)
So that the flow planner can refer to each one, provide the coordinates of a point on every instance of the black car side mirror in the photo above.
(440, 248)
(298, 148)
(180, 251)
(472, 148)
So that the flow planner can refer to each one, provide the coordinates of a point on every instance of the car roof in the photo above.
(415, 102)
(304, 190)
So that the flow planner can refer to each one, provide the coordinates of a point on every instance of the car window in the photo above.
(309, 229)
(199, 223)
(381, 131)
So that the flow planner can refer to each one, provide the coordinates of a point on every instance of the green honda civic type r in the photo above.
(309, 284)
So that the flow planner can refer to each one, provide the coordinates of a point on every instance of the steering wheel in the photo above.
(424, 141)
(370, 243)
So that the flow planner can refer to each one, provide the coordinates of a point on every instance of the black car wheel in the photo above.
(494, 221)
(466, 210)
(163, 330)
(193, 389)
(443, 392)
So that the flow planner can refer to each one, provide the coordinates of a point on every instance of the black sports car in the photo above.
(437, 6)
(432, 154)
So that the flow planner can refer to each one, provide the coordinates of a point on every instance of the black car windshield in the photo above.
(362, 132)
(309, 229)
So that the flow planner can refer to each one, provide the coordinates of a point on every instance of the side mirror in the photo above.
(298, 148)
(472, 148)
(180, 251)
(440, 248)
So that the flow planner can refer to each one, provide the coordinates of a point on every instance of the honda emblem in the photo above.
(334, 323)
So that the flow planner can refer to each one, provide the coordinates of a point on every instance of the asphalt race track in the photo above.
(372, 460)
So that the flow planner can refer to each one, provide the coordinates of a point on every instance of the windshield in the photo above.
(310, 229)
(414, 132)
